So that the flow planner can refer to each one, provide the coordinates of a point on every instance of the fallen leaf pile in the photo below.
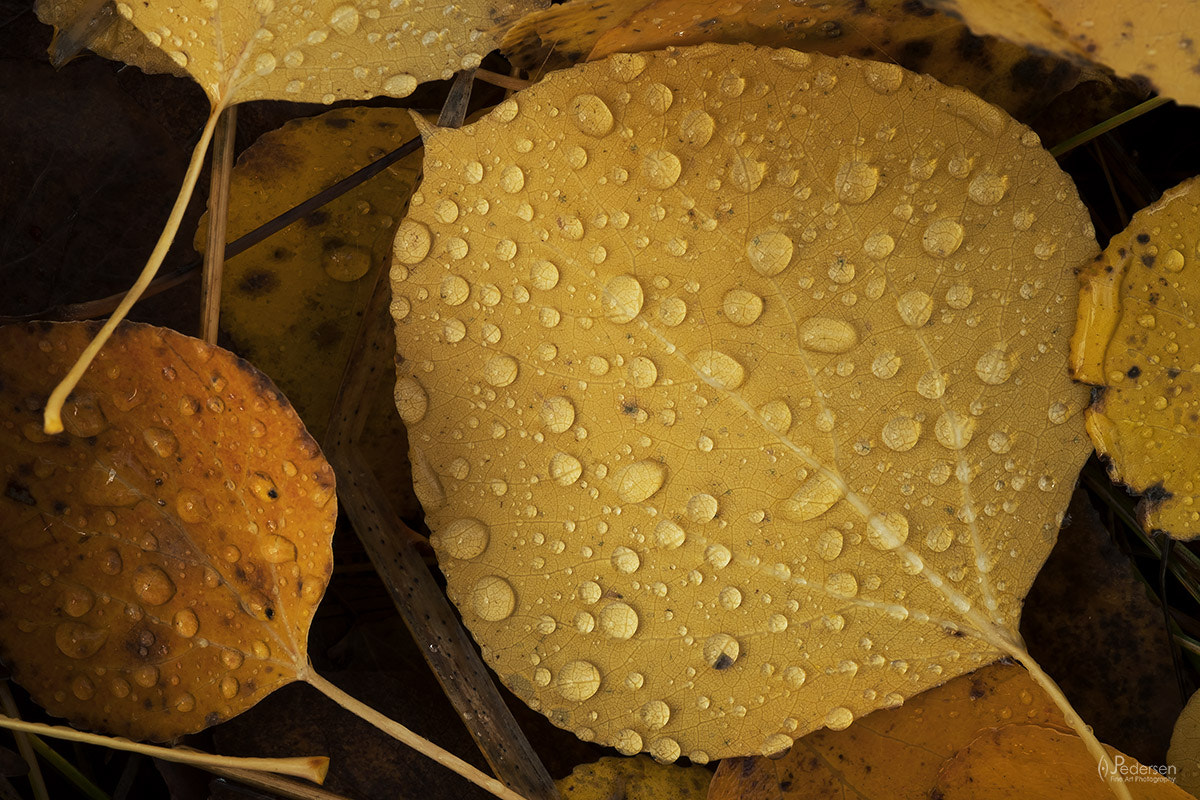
(649, 312)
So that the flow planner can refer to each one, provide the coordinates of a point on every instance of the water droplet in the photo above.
(618, 620)
(939, 538)
(493, 598)
(1172, 261)
(344, 19)
(512, 179)
(994, 367)
(719, 368)
(742, 307)
(412, 242)
(120, 688)
(642, 372)
(839, 718)
(776, 415)
(544, 275)
(669, 535)
(626, 66)
(770, 252)
(814, 497)
(887, 531)
(696, 128)
(185, 703)
(718, 556)
(262, 487)
(565, 469)
(110, 562)
(954, 430)
(161, 441)
(500, 370)
(400, 85)
(856, 182)
(276, 549)
(591, 115)
(746, 172)
(959, 296)
(76, 601)
(557, 414)
(628, 742)
(883, 77)
(83, 688)
(640, 481)
(152, 586)
(999, 442)
(265, 64)
(578, 680)
(76, 640)
(411, 400)
(829, 544)
(931, 385)
(1047, 483)
(622, 299)
(655, 714)
(885, 365)
(721, 651)
(879, 245)
(901, 433)
(942, 237)
(661, 168)
(827, 335)
(454, 290)
(702, 508)
(82, 417)
(1059, 413)
(186, 623)
(987, 188)
(915, 308)
(229, 687)
(842, 585)
(730, 598)
(625, 560)
(673, 311)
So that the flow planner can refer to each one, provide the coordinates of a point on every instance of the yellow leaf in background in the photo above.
(160, 561)
(905, 33)
(292, 303)
(1184, 754)
(637, 778)
(736, 388)
(1135, 338)
(1152, 39)
(309, 52)
(969, 738)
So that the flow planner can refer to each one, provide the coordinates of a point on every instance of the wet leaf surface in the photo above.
(160, 561)
(648, 312)
(1135, 339)
(637, 778)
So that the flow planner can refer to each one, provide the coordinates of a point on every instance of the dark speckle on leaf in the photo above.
(19, 492)
(1134, 371)
(258, 282)
(1143, 238)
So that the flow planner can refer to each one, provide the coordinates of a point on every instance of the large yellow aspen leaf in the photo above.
(917, 38)
(292, 304)
(1151, 39)
(321, 51)
(1136, 340)
(736, 388)
(161, 560)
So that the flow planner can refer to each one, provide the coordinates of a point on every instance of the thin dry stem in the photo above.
(403, 734)
(218, 225)
(311, 768)
(52, 416)
(503, 81)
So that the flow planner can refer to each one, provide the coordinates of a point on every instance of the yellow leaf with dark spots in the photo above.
(637, 778)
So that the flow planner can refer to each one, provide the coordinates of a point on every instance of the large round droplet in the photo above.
(276, 549)
(412, 242)
(814, 497)
(696, 128)
(838, 719)
(152, 586)
(544, 275)
(622, 299)
(186, 623)
(346, 262)
(655, 714)
(463, 538)
(75, 601)
(987, 188)
(661, 168)
(641, 480)
(827, 335)
(915, 307)
(628, 742)
(721, 651)
(618, 620)
(400, 85)
(994, 367)
(642, 372)
(161, 441)
(512, 179)
(557, 414)
(493, 598)
(565, 469)
(625, 561)
(721, 369)
(942, 237)
(742, 307)
(344, 19)
(578, 680)
(776, 415)
(842, 585)
(76, 640)
(856, 182)
(770, 252)
(746, 172)
(954, 430)
(901, 433)
(591, 115)
(829, 544)
(500, 370)
(669, 535)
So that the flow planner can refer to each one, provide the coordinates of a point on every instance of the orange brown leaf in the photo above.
(160, 561)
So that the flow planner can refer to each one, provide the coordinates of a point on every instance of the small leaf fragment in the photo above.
(160, 561)
(1152, 39)
(638, 778)
(1135, 337)
(1184, 754)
